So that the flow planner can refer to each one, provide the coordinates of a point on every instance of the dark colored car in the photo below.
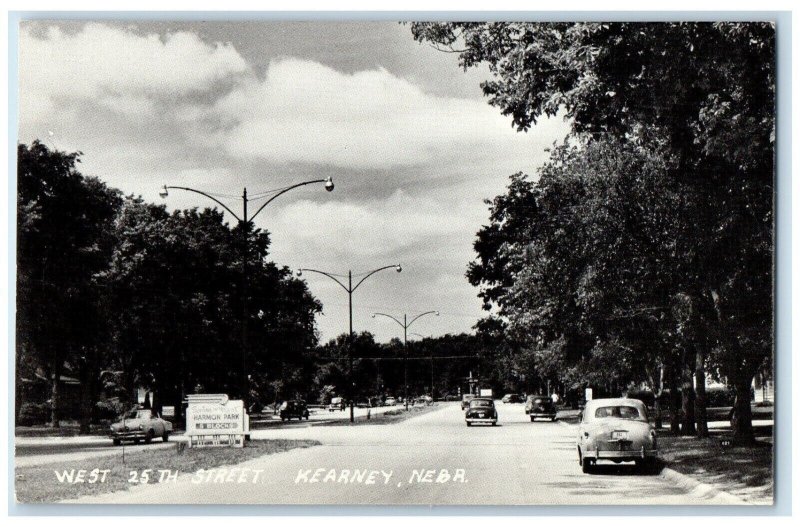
(294, 408)
(481, 410)
(540, 407)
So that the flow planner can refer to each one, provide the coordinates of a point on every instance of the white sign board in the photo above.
(167, 411)
(588, 394)
(216, 421)
(486, 392)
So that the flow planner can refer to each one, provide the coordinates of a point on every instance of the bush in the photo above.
(719, 396)
(31, 414)
(108, 410)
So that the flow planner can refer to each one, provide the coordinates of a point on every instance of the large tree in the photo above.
(703, 96)
(64, 241)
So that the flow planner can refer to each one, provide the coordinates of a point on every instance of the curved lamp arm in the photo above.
(327, 182)
(300, 271)
(398, 267)
(389, 316)
(164, 195)
(422, 315)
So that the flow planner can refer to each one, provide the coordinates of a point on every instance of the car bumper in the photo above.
(481, 420)
(538, 415)
(622, 454)
(133, 434)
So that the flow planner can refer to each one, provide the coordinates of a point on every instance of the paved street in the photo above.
(515, 463)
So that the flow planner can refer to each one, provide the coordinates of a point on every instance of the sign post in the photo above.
(214, 420)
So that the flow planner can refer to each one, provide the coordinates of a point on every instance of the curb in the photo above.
(698, 489)
(693, 486)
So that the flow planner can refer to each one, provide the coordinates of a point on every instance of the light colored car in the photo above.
(337, 403)
(391, 401)
(617, 430)
(141, 424)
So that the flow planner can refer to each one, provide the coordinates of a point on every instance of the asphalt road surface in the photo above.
(432, 459)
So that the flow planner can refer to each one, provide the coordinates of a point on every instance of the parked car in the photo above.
(617, 430)
(540, 407)
(391, 401)
(140, 424)
(337, 403)
(511, 398)
(465, 399)
(294, 408)
(481, 410)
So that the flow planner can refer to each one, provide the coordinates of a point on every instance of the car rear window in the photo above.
(621, 412)
(480, 403)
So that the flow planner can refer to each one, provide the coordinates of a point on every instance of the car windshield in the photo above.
(480, 403)
(620, 412)
(138, 414)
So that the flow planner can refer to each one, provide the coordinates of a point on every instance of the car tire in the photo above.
(135, 441)
(586, 465)
(469, 424)
(165, 436)
(148, 438)
(117, 442)
(532, 419)
(494, 423)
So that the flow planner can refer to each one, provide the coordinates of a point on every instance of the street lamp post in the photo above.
(350, 288)
(405, 325)
(244, 224)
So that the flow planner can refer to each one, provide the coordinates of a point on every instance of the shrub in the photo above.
(31, 414)
(108, 409)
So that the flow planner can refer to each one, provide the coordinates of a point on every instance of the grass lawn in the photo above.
(41, 483)
(744, 471)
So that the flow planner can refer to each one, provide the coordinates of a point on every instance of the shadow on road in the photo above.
(625, 469)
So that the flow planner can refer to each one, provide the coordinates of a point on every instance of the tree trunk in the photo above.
(55, 395)
(742, 421)
(674, 402)
(700, 401)
(86, 400)
(687, 402)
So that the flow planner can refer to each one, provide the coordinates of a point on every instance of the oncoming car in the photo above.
(481, 411)
(140, 424)
(616, 430)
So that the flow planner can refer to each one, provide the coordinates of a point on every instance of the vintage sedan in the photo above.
(141, 424)
(540, 407)
(617, 430)
(511, 398)
(294, 408)
(481, 410)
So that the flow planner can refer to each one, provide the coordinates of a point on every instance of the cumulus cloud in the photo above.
(307, 112)
(400, 224)
(118, 68)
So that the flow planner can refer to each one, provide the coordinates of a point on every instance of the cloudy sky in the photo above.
(411, 143)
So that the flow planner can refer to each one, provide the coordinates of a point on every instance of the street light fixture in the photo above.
(350, 288)
(244, 223)
(405, 324)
